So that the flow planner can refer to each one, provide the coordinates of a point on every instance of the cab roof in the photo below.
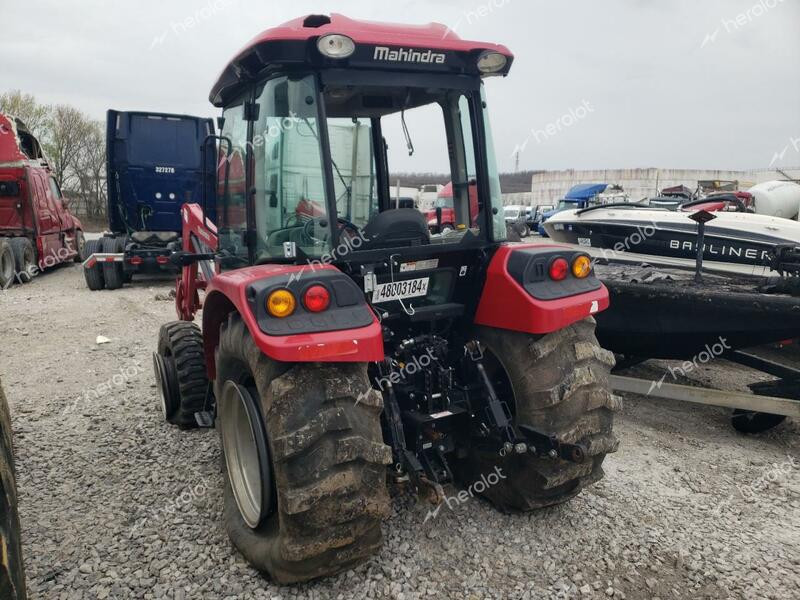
(293, 45)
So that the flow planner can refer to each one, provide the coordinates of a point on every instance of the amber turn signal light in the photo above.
(581, 266)
(281, 303)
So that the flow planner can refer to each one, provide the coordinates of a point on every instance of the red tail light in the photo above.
(316, 298)
(559, 269)
(162, 260)
(136, 260)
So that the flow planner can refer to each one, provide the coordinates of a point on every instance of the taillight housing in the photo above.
(316, 298)
(559, 268)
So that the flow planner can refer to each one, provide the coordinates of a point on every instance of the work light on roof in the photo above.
(491, 62)
(335, 45)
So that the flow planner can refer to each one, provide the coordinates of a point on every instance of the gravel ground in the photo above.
(116, 504)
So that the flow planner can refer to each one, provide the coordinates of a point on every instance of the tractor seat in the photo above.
(396, 227)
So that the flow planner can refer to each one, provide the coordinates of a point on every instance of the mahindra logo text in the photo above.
(404, 55)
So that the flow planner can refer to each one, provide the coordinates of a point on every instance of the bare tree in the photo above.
(65, 142)
(90, 168)
(24, 106)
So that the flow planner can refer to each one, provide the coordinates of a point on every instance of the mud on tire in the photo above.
(12, 575)
(560, 387)
(327, 460)
(181, 344)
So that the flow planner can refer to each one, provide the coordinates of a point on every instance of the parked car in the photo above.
(37, 230)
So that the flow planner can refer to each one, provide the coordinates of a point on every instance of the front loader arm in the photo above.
(199, 237)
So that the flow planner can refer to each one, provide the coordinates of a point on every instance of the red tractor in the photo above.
(37, 230)
(348, 346)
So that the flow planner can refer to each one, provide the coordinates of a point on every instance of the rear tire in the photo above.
(560, 386)
(93, 275)
(113, 272)
(24, 258)
(326, 455)
(12, 573)
(8, 265)
(184, 387)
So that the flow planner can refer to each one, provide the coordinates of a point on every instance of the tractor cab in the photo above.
(317, 115)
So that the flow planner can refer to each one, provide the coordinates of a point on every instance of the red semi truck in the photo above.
(37, 230)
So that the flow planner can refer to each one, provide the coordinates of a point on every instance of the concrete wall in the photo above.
(550, 186)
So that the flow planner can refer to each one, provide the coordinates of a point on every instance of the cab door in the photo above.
(48, 221)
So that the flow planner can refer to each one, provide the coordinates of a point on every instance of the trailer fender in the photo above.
(520, 296)
(347, 331)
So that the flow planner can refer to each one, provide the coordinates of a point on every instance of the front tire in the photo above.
(181, 376)
(325, 459)
(560, 387)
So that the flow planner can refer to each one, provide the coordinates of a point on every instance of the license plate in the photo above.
(410, 288)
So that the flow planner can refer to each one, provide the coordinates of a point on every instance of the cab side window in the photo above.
(55, 189)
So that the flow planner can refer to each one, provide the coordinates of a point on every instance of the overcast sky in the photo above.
(668, 83)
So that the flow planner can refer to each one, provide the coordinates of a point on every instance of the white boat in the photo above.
(734, 241)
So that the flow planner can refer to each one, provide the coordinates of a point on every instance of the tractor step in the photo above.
(204, 418)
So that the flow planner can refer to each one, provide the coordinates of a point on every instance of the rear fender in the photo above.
(518, 294)
(347, 332)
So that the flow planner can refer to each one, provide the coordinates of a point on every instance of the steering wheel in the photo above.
(346, 229)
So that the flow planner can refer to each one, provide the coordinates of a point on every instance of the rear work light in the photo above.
(335, 45)
(281, 303)
(558, 269)
(491, 62)
(581, 266)
(317, 298)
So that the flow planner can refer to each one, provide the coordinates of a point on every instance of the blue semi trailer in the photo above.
(155, 165)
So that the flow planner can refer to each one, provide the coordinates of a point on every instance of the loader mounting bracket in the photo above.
(550, 445)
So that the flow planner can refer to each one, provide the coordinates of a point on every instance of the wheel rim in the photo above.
(161, 366)
(244, 445)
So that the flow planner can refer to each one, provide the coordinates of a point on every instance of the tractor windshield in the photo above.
(314, 168)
